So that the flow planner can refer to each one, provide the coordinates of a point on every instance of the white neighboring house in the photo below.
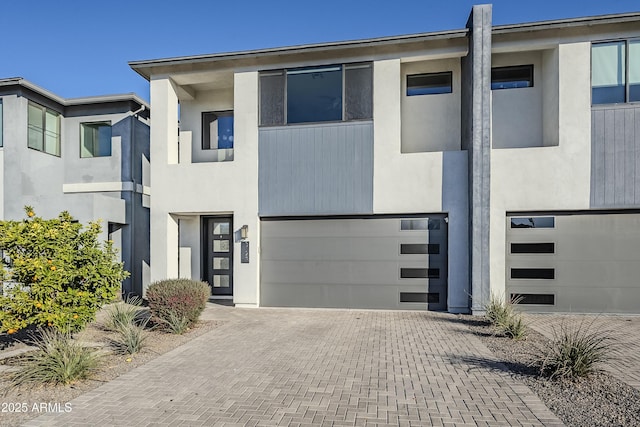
(412, 172)
(88, 156)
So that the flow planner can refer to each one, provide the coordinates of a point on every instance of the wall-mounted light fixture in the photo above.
(244, 232)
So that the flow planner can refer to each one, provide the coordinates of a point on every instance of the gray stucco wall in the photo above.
(31, 177)
(316, 169)
(476, 138)
(615, 156)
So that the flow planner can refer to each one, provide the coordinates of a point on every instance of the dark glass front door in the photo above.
(218, 254)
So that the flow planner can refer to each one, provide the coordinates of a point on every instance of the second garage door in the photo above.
(575, 262)
(371, 262)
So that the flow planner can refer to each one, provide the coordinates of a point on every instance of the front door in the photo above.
(218, 254)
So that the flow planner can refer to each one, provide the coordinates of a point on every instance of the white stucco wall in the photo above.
(191, 119)
(431, 122)
(517, 113)
(430, 182)
(546, 178)
(188, 191)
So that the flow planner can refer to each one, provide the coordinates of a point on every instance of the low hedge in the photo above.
(177, 298)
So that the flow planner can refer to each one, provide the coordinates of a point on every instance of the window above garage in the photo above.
(615, 72)
(512, 77)
(333, 93)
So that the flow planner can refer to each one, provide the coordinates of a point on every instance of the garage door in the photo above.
(575, 263)
(372, 262)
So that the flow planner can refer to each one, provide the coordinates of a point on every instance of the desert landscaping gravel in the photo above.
(23, 403)
(599, 400)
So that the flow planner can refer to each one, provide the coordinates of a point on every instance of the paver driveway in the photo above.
(316, 367)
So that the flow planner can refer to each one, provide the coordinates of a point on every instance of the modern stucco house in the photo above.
(88, 156)
(420, 171)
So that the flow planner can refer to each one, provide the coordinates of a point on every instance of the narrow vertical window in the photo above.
(358, 82)
(634, 71)
(43, 129)
(608, 69)
(95, 139)
(272, 98)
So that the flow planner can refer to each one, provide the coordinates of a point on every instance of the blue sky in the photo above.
(79, 49)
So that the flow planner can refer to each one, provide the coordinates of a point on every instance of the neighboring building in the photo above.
(88, 156)
(421, 171)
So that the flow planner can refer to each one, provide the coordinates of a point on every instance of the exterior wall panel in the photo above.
(316, 169)
(615, 156)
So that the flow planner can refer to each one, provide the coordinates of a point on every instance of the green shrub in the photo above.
(61, 275)
(497, 310)
(123, 313)
(576, 351)
(513, 326)
(131, 338)
(176, 324)
(181, 298)
(504, 318)
(58, 360)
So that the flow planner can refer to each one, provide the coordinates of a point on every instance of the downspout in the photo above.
(132, 220)
(133, 229)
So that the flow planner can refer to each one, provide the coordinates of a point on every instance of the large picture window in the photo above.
(95, 139)
(615, 72)
(43, 129)
(316, 94)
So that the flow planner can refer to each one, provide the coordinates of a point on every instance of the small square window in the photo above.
(95, 139)
(217, 132)
(516, 77)
(429, 84)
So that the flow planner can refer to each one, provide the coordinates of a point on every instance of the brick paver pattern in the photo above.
(624, 331)
(317, 367)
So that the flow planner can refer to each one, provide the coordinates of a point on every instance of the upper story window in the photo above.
(615, 72)
(512, 77)
(95, 139)
(429, 84)
(217, 133)
(43, 129)
(316, 94)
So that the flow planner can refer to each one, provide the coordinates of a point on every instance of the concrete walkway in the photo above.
(316, 367)
(625, 331)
